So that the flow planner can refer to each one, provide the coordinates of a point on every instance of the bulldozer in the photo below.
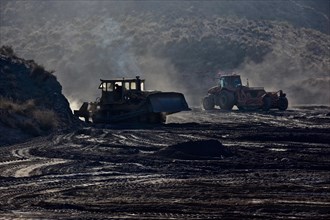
(126, 100)
(230, 92)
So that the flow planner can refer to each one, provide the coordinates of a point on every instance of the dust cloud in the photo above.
(84, 50)
(84, 41)
(301, 83)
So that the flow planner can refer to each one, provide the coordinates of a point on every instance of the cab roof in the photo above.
(121, 80)
(231, 75)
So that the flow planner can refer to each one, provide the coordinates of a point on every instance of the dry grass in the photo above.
(16, 107)
(47, 119)
(27, 116)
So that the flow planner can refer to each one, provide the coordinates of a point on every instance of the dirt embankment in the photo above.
(31, 99)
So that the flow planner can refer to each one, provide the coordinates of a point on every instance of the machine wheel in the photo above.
(267, 103)
(86, 119)
(241, 108)
(283, 103)
(156, 118)
(208, 102)
(163, 118)
(226, 100)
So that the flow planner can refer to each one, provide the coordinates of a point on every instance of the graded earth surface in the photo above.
(200, 165)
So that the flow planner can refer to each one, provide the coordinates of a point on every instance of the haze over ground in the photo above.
(175, 45)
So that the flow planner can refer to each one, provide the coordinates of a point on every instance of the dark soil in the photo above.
(201, 165)
(203, 149)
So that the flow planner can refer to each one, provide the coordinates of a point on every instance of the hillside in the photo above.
(31, 100)
(273, 55)
(176, 45)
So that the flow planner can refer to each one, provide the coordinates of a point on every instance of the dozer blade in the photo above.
(168, 102)
(83, 111)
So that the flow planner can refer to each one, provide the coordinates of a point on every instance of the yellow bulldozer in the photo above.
(126, 100)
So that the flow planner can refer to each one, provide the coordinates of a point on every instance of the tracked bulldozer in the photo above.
(126, 100)
(231, 92)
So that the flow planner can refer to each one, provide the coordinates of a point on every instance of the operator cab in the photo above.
(113, 91)
(232, 81)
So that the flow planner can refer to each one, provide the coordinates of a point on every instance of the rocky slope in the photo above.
(31, 100)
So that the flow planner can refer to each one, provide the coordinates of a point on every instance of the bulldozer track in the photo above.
(118, 173)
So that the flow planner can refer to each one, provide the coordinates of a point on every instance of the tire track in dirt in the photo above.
(116, 173)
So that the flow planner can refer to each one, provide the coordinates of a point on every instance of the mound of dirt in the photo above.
(31, 100)
(203, 149)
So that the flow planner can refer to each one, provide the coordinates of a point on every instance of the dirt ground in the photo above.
(200, 165)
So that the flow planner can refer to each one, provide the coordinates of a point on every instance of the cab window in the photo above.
(119, 83)
(106, 87)
(237, 82)
(127, 86)
(133, 85)
(222, 82)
